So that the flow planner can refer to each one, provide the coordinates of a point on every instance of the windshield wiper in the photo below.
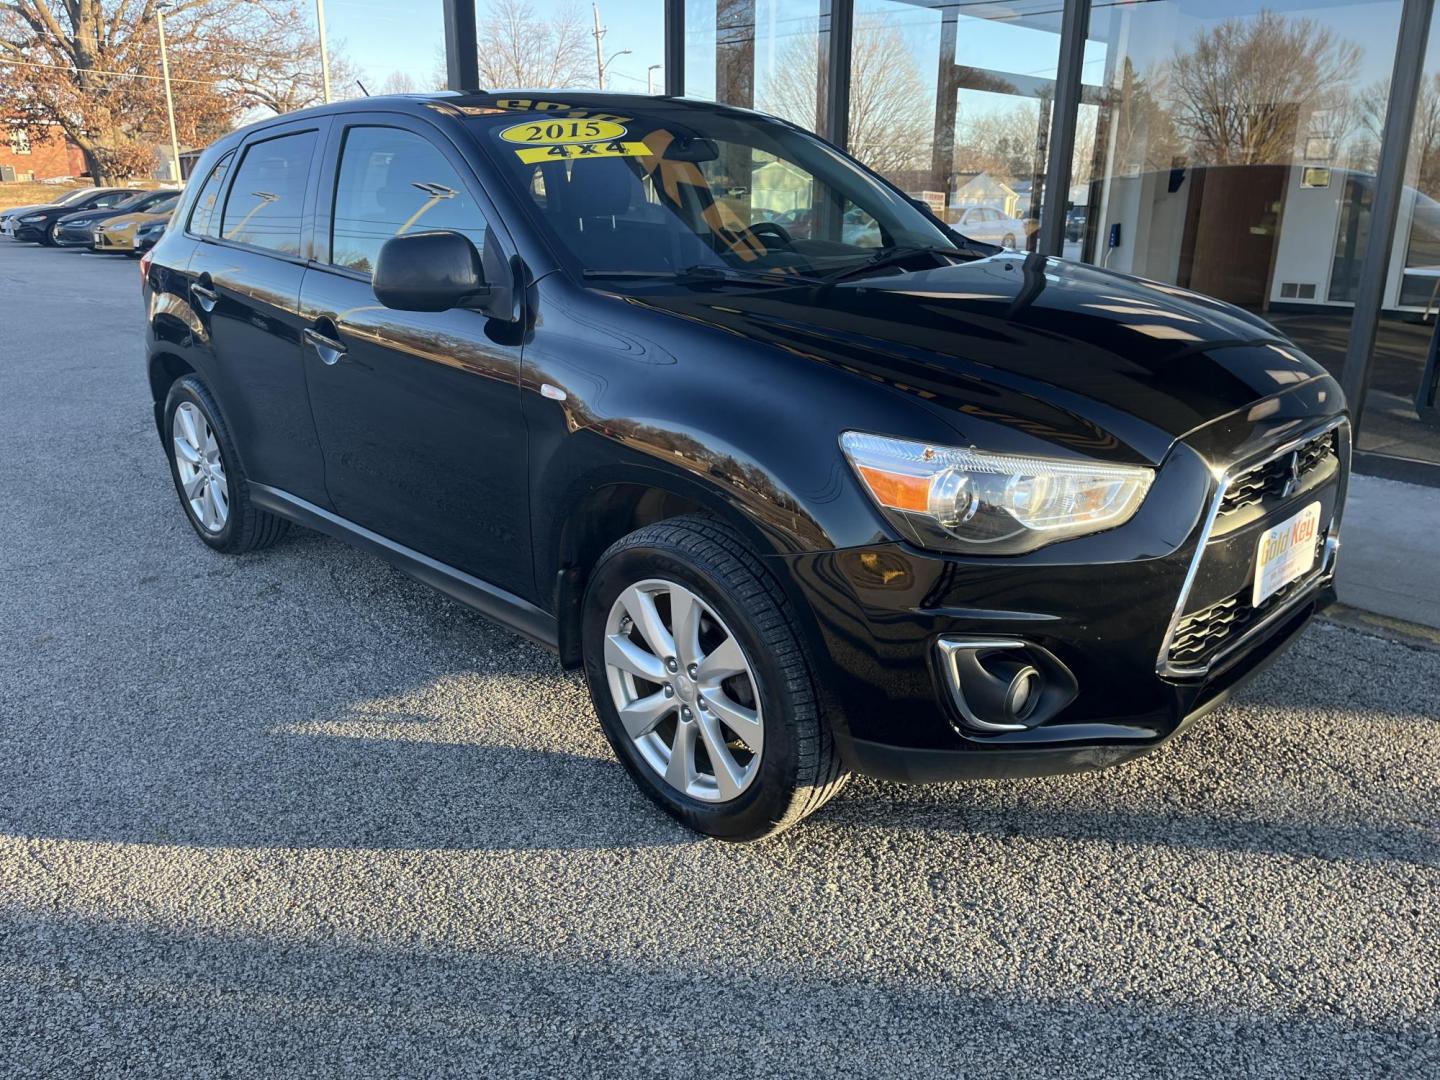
(704, 273)
(889, 257)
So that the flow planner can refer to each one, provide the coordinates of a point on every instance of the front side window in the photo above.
(205, 217)
(681, 189)
(267, 199)
(392, 182)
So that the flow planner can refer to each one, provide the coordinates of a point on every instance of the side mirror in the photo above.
(437, 271)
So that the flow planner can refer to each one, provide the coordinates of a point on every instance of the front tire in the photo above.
(52, 235)
(696, 670)
(208, 477)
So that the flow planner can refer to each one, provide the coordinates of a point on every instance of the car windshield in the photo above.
(675, 191)
(71, 196)
(134, 202)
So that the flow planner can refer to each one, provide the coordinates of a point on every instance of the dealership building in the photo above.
(1283, 155)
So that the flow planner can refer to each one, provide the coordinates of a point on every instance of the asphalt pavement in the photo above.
(294, 814)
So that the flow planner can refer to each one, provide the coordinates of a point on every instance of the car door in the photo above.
(418, 412)
(243, 281)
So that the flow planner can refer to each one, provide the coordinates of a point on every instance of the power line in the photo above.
(112, 74)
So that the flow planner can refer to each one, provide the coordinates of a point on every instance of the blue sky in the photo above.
(385, 37)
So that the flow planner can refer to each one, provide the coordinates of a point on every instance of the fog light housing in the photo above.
(1002, 684)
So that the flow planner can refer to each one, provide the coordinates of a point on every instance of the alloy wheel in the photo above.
(684, 689)
(200, 468)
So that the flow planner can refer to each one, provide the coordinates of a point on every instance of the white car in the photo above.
(989, 225)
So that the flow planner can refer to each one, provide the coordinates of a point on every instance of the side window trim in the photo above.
(226, 160)
(321, 126)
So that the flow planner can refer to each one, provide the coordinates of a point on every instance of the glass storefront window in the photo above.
(1402, 401)
(760, 54)
(952, 103)
(1234, 152)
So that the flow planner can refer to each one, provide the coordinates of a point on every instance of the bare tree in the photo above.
(519, 48)
(92, 67)
(1001, 143)
(399, 82)
(1244, 87)
(891, 119)
(279, 69)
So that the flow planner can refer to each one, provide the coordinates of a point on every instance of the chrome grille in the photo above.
(1275, 478)
(1198, 636)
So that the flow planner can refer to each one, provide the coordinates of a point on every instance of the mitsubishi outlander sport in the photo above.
(868, 496)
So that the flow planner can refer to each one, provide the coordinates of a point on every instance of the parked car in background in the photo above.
(797, 506)
(78, 229)
(70, 199)
(148, 234)
(40, 224)
(134, 232)
(1075, 219)
(991, 226)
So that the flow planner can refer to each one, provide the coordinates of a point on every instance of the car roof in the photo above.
(455, 105)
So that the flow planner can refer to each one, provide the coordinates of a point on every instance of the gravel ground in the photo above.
(294, 814)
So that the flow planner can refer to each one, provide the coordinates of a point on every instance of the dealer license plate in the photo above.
(95, 237)
(1286, 553)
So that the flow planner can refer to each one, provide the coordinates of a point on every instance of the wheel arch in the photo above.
(601, 510)
(164, 370)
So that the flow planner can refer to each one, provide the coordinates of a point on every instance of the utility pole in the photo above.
(324, 52)
(169, 98)
(650, 78)
(600, 32)
(601, 64)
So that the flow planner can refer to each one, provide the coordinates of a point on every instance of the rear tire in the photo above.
(209, 480)
(743, 626)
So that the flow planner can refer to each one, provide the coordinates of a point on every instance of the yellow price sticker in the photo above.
(563, 132)
(536, 154)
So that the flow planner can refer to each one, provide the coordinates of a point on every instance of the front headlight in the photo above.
(33, 219)
(992, 504)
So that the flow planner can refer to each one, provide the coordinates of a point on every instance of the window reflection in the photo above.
(392, 182)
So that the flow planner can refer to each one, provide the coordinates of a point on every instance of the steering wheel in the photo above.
(760, 228)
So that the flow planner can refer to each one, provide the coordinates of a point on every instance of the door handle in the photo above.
(207, 298)
(329, 349)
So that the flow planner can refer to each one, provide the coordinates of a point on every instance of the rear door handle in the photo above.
(327, 348)
(206, 298)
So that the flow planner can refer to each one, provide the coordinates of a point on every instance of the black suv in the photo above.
(874, 498)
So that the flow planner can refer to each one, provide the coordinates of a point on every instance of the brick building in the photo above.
(38, 158)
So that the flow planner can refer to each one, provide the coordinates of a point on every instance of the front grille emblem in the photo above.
(1292, 479)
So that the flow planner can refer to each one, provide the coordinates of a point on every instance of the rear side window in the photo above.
(391, 182)
(205, 218)
(267, 199)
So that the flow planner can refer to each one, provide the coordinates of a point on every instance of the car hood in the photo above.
(102, 213)
(1078, 347)
(21, 211)
(140, 217)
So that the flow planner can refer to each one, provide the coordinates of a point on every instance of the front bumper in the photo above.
(75, 235)
(120, 241)
(1106, 607)
(29, 233)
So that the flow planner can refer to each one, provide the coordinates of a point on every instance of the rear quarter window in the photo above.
(205, 218)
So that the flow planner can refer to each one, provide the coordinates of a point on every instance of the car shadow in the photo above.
(91, 996)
